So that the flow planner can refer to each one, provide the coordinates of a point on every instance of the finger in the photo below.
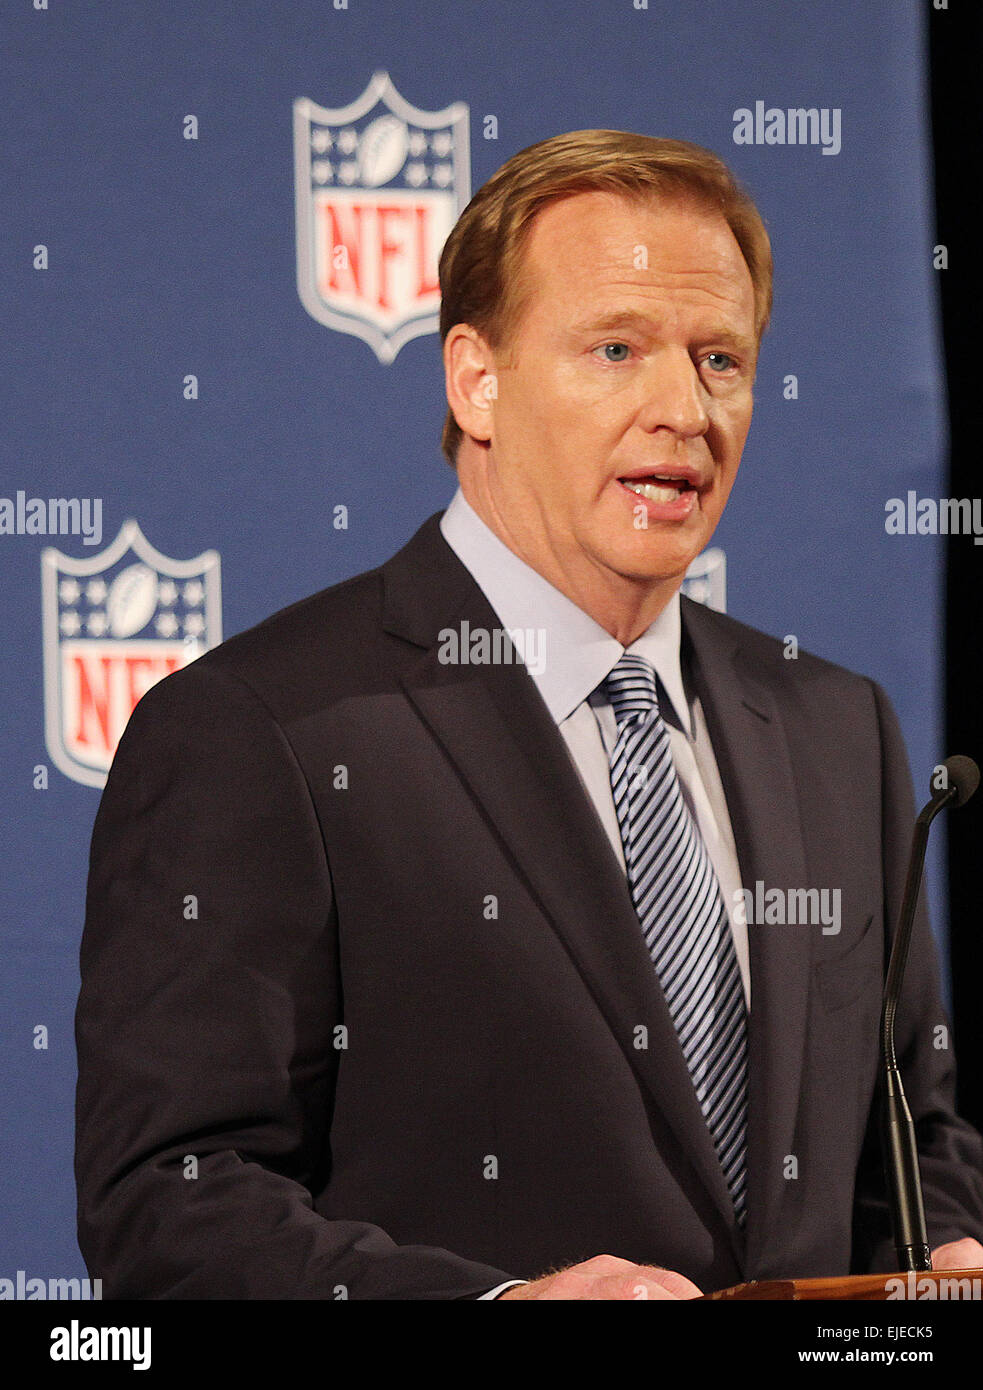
(958, 1254)
(643, 1290)
(677, 1284)
(608, 1288)
(605, 1264)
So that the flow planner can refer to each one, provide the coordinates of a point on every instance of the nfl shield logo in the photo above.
(706, 579)
(379, 186)
(114, 625)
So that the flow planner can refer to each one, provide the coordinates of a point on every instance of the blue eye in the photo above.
(720, 357)
(622, 347)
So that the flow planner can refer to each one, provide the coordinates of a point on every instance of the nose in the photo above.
(674, 395)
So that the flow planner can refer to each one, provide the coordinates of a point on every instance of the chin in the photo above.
(645, 566)
(652, 573)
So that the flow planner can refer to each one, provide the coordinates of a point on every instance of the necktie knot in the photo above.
(630, 687)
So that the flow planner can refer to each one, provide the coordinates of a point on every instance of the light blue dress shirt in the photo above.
(568, 655)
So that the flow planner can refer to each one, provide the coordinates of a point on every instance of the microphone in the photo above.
(961, 779)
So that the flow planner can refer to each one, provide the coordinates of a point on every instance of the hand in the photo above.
(959, 1254)
(607, 1277)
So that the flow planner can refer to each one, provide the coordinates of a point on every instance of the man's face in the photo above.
(624, 398)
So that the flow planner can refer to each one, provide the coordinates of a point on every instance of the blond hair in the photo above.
(481, 279)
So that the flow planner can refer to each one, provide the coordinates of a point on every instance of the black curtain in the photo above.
(956, 52)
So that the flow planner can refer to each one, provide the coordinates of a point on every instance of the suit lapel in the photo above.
(493, 724)
(752, 755)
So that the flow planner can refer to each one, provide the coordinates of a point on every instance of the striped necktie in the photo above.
(681, 911)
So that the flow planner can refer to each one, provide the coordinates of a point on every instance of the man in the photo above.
(414, 970)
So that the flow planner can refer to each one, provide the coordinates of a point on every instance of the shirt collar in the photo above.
(576, 651)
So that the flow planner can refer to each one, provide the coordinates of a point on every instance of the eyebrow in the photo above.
(622, 318)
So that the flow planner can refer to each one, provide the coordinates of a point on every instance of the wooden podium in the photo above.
(928, 1285)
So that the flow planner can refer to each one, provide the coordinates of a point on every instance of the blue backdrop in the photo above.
(157, 357)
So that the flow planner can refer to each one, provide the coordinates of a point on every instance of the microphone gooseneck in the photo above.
(897, 1129)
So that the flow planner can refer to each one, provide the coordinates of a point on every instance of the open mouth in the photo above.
(658, 487)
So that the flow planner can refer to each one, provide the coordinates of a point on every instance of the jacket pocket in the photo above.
(846, 977)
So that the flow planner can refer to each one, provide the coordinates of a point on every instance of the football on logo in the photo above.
(132, 600)
(379, 185)
(114, 625)
(382, 150)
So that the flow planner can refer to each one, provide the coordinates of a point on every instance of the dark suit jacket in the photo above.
(362, 984)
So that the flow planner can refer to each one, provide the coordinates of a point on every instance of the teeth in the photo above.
(668, 492)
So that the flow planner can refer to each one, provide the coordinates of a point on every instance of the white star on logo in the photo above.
(69, 623)
(193, 593)
(68, 591)
(166, 625)
(321, 141)
(95, 591)
(167, 593)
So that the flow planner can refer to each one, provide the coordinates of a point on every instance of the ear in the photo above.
(471, 381)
